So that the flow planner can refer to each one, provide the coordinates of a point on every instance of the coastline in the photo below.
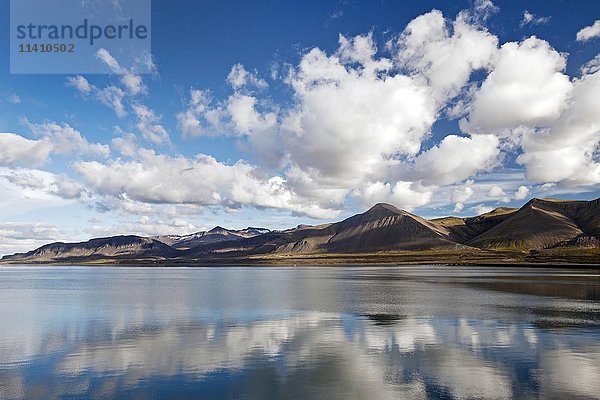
(589, 259)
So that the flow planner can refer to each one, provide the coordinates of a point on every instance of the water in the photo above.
(299, 333)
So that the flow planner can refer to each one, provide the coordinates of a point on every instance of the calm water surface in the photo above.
(299, 333)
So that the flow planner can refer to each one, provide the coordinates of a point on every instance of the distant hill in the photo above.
(542, 224)
(382, 228)
(115, 248)
(549, 229)
(217, 234)
(463, 230)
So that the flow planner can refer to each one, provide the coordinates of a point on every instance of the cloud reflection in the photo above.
(331, 354)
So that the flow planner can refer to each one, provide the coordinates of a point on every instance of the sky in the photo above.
(279, 113)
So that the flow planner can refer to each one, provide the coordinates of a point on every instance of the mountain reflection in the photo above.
(334, 355)
(266, 333)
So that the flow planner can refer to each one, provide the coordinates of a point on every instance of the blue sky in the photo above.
(276, 113)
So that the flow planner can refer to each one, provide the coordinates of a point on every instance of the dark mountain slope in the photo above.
(539, 224)
(463, 230)
(217, 234)
(384, 227)
(547, 229)
(116, 247)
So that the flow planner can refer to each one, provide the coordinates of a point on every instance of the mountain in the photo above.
(463, 230)
(381, 228)
(543, 230)
(217, 234)
(541, 224)
(115, 248)
(384, 227)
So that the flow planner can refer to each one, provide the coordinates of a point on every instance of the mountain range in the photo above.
(543, 230)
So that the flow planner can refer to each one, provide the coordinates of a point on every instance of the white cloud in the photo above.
(483, 9)
(110, 61)
(189, 120)
(160, 179)
(356, 124)
(149, 125)
(13, 98)
(340, 109)
(23, 236)
(445, 59)
(529, 18)
(526, 87)
(126, 144)
(481, 209)
(37, 180)
(566, 152)
(145, 226)
(80, 83)
(589, 32)
(457, 158)
(345, 99)
(591, 66)
(496, 191)
(458, 207)
(244, 116)
(17, 150)
(403, 194)
(462, 193)
(522, 192)
(240, 78)
(65, 140)
(133, 83)
(112, 96)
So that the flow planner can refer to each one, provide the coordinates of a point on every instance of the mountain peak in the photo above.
(218, 229)
(384, 207)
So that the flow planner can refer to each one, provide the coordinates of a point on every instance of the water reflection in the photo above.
(283, 333)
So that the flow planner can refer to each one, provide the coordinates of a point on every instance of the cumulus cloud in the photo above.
(126, 144)
(80, 83)
(64, 139)
(481, 209)
(112, 96)
(155, 178)
(531, 19)
(240, 78)
(566, 152)
(342, 100)
(496, 191)
(482, 10)
(23, 236)
(591, 66)
(522, 193)
(589, 32)
(445, 56)
(56, 185)
(345, 99)
(13, 98)
(462, 193)
(189, 120)
(17, 150)
(407, 194)
(457, 158)
(358, 125)
(144, 226)
(526, 87)
(148, 123)
(341, 108)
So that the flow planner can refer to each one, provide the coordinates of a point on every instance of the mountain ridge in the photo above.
(541, 227)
